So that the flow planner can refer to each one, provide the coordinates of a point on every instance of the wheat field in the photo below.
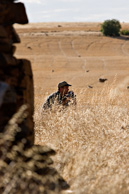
(91, 139)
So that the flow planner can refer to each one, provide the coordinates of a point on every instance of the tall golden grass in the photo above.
(91, 140)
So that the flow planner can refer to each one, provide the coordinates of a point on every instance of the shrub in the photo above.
(111, 28)
(125, 32)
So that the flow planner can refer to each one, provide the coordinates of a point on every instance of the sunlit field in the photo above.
(91, 139)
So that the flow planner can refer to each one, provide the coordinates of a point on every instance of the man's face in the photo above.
(64, 90)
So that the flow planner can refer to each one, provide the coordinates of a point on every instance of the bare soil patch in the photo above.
(66, 51)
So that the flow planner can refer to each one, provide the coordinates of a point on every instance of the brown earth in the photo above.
(75, 52)
(91, 142)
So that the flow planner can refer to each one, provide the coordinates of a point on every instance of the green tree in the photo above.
(111, 27)
(125, 32)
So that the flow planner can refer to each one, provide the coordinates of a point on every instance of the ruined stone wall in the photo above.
(16, 79)
(24, 167)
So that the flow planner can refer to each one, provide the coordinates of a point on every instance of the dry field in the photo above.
(91, 140)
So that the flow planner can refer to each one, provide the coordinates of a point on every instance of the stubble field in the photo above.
(91, 139)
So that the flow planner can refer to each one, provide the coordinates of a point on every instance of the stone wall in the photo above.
(16, 79)
(24, 167)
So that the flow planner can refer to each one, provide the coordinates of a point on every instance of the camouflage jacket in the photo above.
(57, 99)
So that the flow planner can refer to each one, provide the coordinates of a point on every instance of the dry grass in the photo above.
(92, 141)
(26, 168)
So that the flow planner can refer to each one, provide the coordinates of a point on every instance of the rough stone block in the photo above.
(15, 36)
(8, 59)
(3, 32)
(25, 93)
(11, 13)
(5, 47)
(11, 34)
(7, 104)
(25, 81)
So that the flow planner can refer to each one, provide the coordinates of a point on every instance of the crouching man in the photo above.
(62, 97)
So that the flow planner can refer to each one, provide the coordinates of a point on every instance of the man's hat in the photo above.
(62, 84)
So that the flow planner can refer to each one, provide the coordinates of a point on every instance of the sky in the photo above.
(76, 10)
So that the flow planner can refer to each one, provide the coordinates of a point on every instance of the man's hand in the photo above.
(69, 98)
